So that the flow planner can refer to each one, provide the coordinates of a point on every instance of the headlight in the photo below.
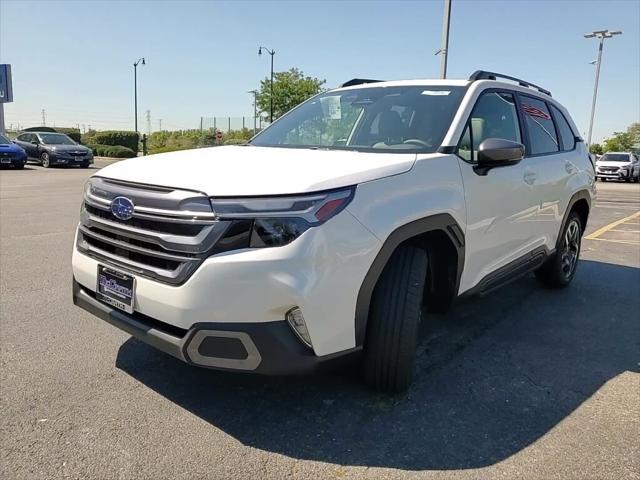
(259, 222)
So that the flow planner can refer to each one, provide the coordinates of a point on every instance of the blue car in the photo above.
(11, 154)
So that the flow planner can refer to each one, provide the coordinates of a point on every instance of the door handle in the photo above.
(529, 177)
(570, 167)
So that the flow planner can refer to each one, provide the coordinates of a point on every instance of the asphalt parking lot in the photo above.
(524, 383)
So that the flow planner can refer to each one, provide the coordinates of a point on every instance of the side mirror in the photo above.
(35, 142)
(498, 152)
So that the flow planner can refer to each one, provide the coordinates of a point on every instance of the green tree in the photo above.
(596, 148)
(290, 88)
(620, 142)
(634, 132)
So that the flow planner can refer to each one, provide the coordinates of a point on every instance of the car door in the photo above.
(23, 141)
(552, 153)
(33, 146)
(499, 203)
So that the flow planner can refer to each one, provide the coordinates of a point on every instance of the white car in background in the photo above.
(618, 166)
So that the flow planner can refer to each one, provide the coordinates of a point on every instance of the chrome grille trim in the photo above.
(168, 237)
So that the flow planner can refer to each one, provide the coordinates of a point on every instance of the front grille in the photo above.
(146, 224)
(169, 235)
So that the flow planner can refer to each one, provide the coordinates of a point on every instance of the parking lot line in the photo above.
(606, 228)
(627, 242)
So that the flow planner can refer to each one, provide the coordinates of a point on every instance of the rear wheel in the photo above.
(560, 269)
(394, 321)
(45, 160)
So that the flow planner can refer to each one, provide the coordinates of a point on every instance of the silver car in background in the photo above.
(618, 166)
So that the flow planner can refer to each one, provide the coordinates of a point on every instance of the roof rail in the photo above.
(359, 81)
(484, 75)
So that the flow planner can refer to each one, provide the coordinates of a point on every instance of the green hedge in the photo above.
(171, 148)
(114, 137)
(235, 141)
(114, 151)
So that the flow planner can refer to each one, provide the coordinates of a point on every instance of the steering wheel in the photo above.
(415, 141)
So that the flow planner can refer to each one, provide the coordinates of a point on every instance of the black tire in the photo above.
(45, 161)
(394, 321)
(19, 166)
(84, 165)
(560, 269)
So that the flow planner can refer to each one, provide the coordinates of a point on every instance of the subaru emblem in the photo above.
(122, 208)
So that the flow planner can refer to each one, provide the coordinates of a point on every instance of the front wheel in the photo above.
(560, 269)
(394, 321)
(45, 160)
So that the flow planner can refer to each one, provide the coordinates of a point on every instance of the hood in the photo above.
(249, 170)
(11, 147)
(610, 163)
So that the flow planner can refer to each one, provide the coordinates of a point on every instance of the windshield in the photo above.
(404, 119)
(4, 140)
(56, 139)
(615, 157)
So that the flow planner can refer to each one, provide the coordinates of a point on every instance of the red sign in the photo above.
(219, 135)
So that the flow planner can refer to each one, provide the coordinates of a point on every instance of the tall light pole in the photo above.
(135, 88)
(444, 47)
(255, 109)
(272, 53)
(601, 34)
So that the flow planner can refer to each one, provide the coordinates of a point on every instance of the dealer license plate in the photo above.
(116, 288)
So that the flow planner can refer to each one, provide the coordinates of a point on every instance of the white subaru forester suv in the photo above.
(331, 232)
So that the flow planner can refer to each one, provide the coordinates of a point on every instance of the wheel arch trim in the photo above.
(443, 222)
(575, 198)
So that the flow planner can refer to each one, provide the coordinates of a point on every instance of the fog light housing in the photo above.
(295, 319)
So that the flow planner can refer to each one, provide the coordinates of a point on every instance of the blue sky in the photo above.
(74, 59)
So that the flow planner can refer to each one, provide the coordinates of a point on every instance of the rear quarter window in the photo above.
(564, 129)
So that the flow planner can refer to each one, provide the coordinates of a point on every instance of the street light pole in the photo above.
(272, 53)
(444, 48)
(601, 34)
(135, 89)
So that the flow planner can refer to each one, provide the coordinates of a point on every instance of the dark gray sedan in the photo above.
(54, 149)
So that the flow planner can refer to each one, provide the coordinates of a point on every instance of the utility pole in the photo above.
(444, 48)
(148, 115)
(160, 124)
(44, 118)
(200, 125)
(601, 34)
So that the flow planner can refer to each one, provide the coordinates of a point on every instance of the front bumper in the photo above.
(13, 161)
(622, 174)
(57, 159)
(269, 348)
(321, 273)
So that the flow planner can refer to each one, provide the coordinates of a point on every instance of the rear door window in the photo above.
(542, 132)
(566, 134)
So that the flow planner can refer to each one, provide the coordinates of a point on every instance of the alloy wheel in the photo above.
(571, 248)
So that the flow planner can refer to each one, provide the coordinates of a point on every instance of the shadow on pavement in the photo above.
(493, 376)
